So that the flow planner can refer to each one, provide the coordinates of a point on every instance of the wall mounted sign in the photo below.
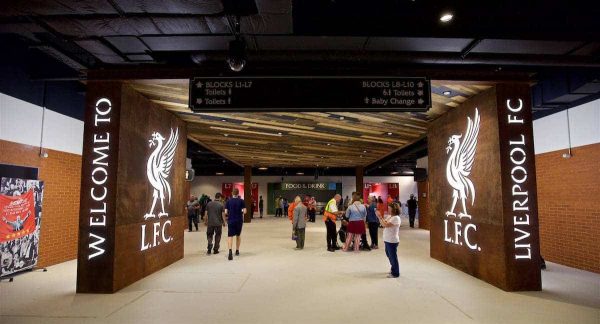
(482, 196)
(131, 218)
(312, 93)
(461, 149)
(98, 189)
(158, 169)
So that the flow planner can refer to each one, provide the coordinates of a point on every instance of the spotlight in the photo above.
(263, 168)
(567, 155)
(447, 93)
(446, 17)
(390, 133)
(237, 57)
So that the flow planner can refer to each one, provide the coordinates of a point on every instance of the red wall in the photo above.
(61, 173)
(569, 207)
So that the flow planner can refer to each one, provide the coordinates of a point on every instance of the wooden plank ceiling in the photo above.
(282, 139)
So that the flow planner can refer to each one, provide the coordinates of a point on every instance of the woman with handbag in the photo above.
(356, 213)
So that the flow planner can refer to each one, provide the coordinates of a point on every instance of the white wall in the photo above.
(550, 132)
(212, 184)
(21, 122)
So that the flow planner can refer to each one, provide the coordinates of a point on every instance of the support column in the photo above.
(360, 184)
(248, 193)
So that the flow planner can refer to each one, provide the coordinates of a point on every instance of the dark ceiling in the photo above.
(553, 44)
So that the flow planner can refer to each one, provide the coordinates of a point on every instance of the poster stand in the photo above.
(12, 276)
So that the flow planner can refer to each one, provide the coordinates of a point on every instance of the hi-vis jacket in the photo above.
(330, 210)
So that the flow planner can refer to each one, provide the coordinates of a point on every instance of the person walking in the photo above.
(192, 212)
(391, 239)
(373, 222)
(261, 205)
(214, 221)
(234, 210)
(312, 209)
(299, 222)
(329, 217)
(357, 214)
(411, 204)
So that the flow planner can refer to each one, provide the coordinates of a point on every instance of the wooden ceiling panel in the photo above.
(293, 139)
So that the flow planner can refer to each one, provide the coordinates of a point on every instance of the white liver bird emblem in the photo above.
(158, 169)
(460, 163)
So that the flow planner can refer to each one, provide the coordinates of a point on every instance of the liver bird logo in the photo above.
(460, 163)
(158, 169)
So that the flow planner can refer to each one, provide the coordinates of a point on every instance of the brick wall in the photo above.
(569, 207)
(61, 173)
(424, 216)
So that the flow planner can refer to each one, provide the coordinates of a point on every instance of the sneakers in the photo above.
(216, 252)
(230, 257)
(208, 251)
(237, 252)
(391, 276)
(330, 249)
(210, 246)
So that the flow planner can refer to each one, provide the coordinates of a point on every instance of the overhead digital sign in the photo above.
(310, 93)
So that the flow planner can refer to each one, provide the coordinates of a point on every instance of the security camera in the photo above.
(236, 57)
(236, 64)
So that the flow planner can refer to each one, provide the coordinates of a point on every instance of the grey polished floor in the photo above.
(273, 283)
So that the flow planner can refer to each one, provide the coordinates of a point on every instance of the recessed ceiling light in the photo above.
(263, 168)
(225, 135)
(223, 120)
(447, 93)
(364, 151)
(328, 144)
(322, 157)
(446, 17)
(219, 173)
(341, 117)
(300, 173)
(390, 133)
(279, 133)
(361, 156)
(236, 144)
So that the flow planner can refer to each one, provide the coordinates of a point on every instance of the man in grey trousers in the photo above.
(215, 221)
(299, 222)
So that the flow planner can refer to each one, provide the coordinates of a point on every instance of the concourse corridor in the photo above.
(273, 283)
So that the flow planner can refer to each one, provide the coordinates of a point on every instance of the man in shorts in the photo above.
(234, 210)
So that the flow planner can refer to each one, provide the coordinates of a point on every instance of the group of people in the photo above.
(217, 214)
(357, 217)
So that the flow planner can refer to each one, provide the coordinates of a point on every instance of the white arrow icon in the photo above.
(199, 84)
(420, 101)
(199, 101)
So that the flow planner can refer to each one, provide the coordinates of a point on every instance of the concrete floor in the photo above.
(272, 283)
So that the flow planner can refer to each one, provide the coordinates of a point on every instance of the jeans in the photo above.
(216, 231)
(391, 250)
(411, 217)
(192, 219)
(373, 232)
(300, 234)
(331, 235)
